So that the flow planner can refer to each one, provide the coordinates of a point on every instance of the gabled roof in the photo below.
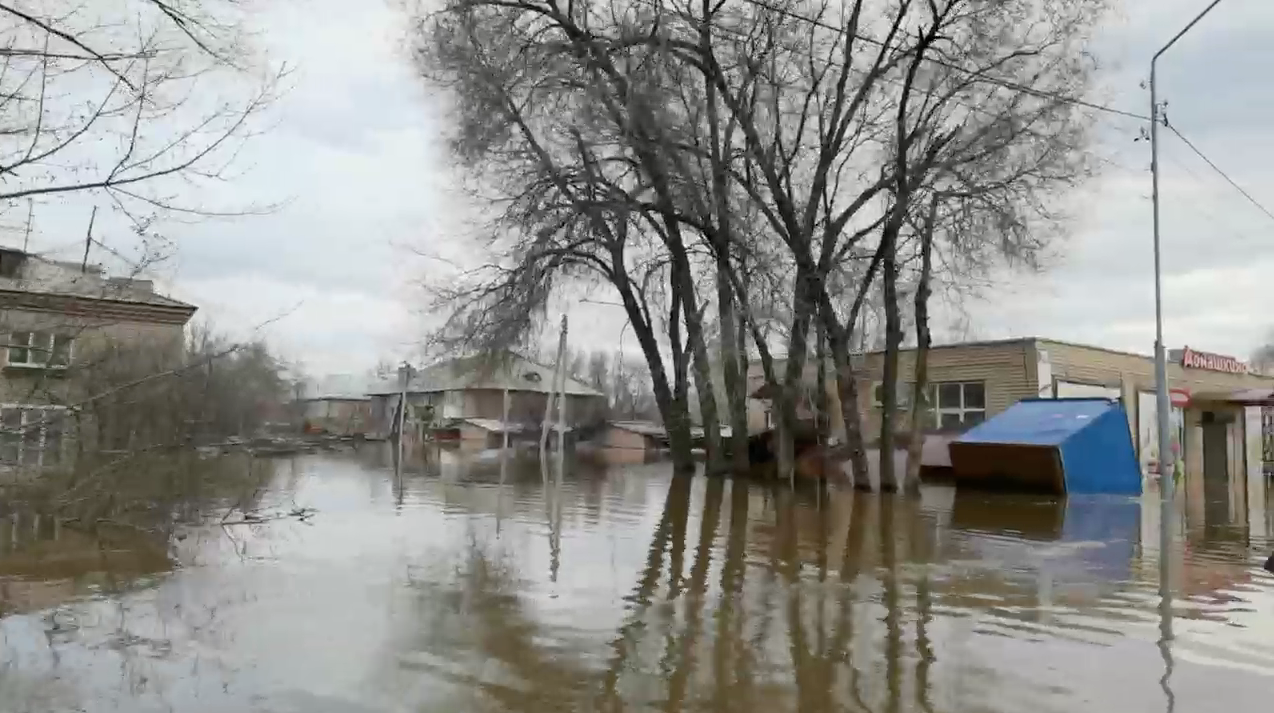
(514, 372)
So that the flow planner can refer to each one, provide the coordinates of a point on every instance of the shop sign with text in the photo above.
(1192, 359)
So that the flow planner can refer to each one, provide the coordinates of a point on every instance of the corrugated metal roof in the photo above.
(515, 372)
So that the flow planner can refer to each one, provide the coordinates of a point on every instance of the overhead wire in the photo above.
(1206, 213)
(1219, 172)
(655, 5)
(977, 76)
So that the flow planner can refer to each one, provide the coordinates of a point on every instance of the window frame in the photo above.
(20, 440)
(42, 342)
(932, 401)
(961, 410)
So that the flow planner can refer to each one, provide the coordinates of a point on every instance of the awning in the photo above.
(1246, 397)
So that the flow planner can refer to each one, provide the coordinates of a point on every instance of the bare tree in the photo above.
(113, 98)
(1263, 357)
(649, 129)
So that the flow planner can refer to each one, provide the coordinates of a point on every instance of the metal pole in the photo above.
(404, 379)
(1167, 459)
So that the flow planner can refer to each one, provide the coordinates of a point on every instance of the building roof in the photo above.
(40, 276)
(337, 397)
(336, 387)
(514, 372)
(643, 428)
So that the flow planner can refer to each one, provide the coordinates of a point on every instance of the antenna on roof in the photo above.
(26, 236)
(88, 240)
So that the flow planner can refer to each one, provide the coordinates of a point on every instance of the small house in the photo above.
(472, 391)
(337, 414)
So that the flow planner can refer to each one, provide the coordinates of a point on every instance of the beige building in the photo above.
(1217, 419)
(68, 330)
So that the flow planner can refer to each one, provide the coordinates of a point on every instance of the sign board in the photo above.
(1191, 359)
(1179, 397)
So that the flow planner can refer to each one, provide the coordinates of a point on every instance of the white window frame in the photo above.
(33, 414)
(38, 341)
(933, 401)
(960, 410)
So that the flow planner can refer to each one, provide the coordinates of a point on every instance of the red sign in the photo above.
(1191, 359)
(1179, 397)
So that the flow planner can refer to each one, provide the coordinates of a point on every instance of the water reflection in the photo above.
(461, 581)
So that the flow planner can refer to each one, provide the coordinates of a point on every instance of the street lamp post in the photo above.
(1167, 459)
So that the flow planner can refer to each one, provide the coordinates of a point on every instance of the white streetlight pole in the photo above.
(1167, 459)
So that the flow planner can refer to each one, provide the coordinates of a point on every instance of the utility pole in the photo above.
(1167, 471)
(404, 379)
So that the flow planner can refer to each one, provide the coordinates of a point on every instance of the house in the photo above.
(634, 435)
(336, 404)
(472, 390)
(337, 414)
(69, 331)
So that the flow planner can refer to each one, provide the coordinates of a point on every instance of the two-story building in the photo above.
(70, 332)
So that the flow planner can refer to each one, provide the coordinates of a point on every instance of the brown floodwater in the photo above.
(462, 585)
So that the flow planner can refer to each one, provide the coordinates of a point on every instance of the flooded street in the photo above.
(457, 589)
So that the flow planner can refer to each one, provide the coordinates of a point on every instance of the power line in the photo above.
(1219, 172)
(954, 67)
(1221, 222)
(654, 5)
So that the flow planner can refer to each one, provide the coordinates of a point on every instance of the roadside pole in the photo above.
(1167, 459)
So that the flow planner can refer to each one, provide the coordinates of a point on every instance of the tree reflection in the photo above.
(477, 631)
(675, 513)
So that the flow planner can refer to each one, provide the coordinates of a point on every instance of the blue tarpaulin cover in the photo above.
(1081, 445)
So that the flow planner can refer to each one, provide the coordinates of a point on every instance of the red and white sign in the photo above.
(1191, 359)
(1179, 397)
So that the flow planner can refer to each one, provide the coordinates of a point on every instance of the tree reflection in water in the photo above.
(774, 627)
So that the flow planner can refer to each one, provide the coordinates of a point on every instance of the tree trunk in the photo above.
(911, 481)
(893, 340)
(793, 371)
(822, 419)
(679, 426)
(846, 379)
(736, 383)
(675, 418)
(699, 360)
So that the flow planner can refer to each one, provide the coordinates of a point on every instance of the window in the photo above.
(953, 404)
(32, 435)
(39, 349)
(903, 395)
(960, 404)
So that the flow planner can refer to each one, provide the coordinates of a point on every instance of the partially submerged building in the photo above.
(336, 414)
(1221, 414)
(466, 397)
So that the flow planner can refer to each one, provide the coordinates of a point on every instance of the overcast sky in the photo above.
(354, 148)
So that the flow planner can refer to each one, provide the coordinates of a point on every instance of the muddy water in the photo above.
(464, 587)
